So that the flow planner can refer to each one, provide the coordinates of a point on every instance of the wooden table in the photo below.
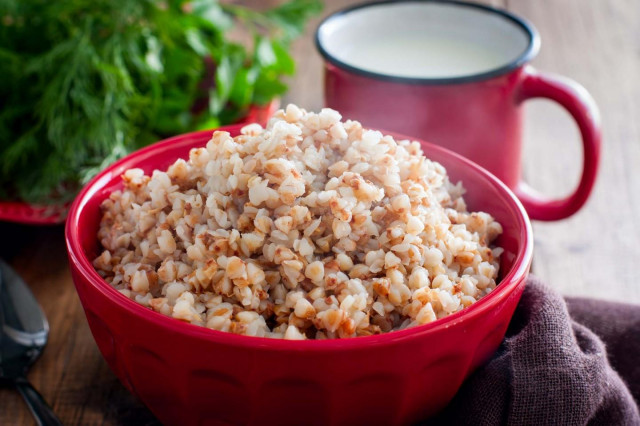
(594, 253)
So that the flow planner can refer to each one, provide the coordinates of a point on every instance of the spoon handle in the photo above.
(41, 411)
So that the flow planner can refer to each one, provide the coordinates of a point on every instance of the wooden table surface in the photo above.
(594, 253)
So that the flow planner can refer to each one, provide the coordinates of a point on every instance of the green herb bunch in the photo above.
(84, 82)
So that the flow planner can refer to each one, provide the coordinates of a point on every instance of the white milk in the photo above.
(423, 39)
(422, 56)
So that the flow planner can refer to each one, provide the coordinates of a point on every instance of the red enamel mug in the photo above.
(456, 74)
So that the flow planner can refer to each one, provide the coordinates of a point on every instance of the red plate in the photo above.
(21, 212)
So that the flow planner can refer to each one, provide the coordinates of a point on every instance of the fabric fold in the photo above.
(554, 369)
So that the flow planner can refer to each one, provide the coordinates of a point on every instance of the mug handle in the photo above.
(577, 101)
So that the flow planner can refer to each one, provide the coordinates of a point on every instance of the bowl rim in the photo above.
(84, 267)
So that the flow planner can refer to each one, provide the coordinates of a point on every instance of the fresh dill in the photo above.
(84, 82)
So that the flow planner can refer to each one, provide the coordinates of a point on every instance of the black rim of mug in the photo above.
(527, 55)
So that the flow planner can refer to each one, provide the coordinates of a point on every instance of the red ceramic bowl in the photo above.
(192, 375)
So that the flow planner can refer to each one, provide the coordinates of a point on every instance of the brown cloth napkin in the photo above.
(573, 362)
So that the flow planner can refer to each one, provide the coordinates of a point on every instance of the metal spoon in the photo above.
(23, 335)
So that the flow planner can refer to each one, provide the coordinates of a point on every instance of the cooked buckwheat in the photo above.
(310, 228)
